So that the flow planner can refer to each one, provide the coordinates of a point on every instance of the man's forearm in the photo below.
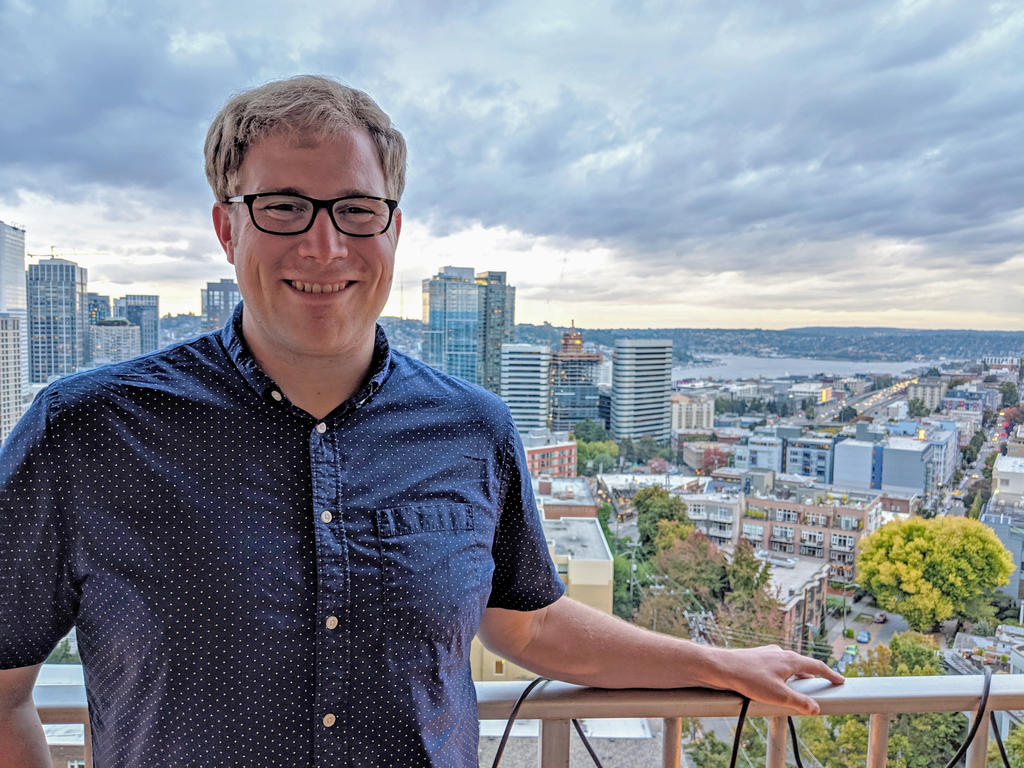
(572, 642)
(22, 741)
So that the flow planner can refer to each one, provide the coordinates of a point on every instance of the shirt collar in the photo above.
(238, 351)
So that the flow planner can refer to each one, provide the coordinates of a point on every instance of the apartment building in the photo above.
(550, 453)
(824, 525)
(692, 412)
(930, 390)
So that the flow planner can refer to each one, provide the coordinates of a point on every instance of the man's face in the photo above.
(281, 320)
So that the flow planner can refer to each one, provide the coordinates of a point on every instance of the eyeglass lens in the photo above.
(285, 214)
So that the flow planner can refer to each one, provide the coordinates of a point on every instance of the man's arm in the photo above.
(572, 642)
(22, 742)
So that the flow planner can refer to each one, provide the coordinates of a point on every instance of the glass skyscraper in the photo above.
(13, 295)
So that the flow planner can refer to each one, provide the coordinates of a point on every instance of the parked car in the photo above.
(881, 618)
(852, 649)
(864, 636)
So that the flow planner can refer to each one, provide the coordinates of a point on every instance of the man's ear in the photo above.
(222, 226)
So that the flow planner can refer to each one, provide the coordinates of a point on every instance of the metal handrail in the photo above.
(879, 697)
(555, 704)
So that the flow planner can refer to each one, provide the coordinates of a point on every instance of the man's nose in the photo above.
(324, 240)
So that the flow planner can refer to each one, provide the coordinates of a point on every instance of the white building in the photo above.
(1008, 479)
(692, 413)
(641, 388)
(13, 292)
(759, 452)
(115, 340)
(11, 394)
(525, 380)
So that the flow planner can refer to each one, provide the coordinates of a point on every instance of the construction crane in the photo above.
(75, 253)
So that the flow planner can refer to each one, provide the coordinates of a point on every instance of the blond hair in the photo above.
(307, 105)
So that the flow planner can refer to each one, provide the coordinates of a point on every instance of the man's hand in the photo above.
(572, 642)
(761, 674)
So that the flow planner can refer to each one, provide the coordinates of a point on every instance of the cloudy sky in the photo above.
(680, 163)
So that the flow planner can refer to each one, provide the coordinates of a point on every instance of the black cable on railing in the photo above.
(986, 685)
(739, 732)
(515, 713)
(999, 739)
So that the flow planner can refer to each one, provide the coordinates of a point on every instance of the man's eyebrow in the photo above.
(295, 191)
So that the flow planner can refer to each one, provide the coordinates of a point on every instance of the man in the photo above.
(278, 541)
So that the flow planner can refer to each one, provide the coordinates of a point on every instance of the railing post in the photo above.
(977, 753)
(776, 757)
(554, 744)
(672, 745)
(878, 740)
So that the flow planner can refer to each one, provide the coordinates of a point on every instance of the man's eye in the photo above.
(282, 208)
(354, 210)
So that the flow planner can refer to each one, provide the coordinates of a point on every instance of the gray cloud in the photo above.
(719, 139)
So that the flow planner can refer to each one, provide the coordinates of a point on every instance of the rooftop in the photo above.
(581, 538)
(1014, 464)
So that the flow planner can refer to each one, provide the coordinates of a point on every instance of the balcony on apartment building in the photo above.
(555, 704)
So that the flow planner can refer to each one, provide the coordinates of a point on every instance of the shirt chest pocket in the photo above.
(437, 570)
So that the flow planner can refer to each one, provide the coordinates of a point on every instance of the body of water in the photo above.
(728, 367)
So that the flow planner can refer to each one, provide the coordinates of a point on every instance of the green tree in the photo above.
(930, 570)
(647, 448)
(627, 450)
(654, 504)
(915, 740)
(747, 574)
(669, 532)
(975, 511)
(589, 431)
(695, 567)
(1009, 392)
(917, 407)
(63, 654)
(846, 413)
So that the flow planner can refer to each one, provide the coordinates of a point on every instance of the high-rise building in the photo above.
(218, 301)
(451, 322)
(525, 371)
(114, 340)
(10, 373)
(573, 382)
(497, 307)
(466, 319)
(58, 317)
(641, 388)
(143, 311)
(99, 307)
(13, 293)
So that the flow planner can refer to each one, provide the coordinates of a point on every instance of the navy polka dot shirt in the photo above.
(252, 586)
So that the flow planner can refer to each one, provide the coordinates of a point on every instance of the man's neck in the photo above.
(317, 384)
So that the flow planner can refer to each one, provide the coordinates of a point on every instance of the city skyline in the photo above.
(645, 167)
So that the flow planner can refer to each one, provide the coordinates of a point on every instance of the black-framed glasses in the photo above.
(278, 213)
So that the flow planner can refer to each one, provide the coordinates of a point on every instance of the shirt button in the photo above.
(326, 516)
(329, 719)
(276, 395)
(332, 622)
(321, 427)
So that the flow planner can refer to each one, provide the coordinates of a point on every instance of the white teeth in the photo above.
(318, 287)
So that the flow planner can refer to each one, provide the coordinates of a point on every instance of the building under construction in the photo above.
(574, 395)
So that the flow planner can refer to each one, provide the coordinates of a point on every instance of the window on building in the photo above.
(499, 669)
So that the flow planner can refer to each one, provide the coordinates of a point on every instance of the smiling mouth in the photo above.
(318, 287)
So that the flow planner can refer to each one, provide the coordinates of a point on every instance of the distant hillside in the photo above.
(857, 343)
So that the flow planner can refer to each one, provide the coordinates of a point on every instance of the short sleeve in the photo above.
(36, 599)
(525, 578)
